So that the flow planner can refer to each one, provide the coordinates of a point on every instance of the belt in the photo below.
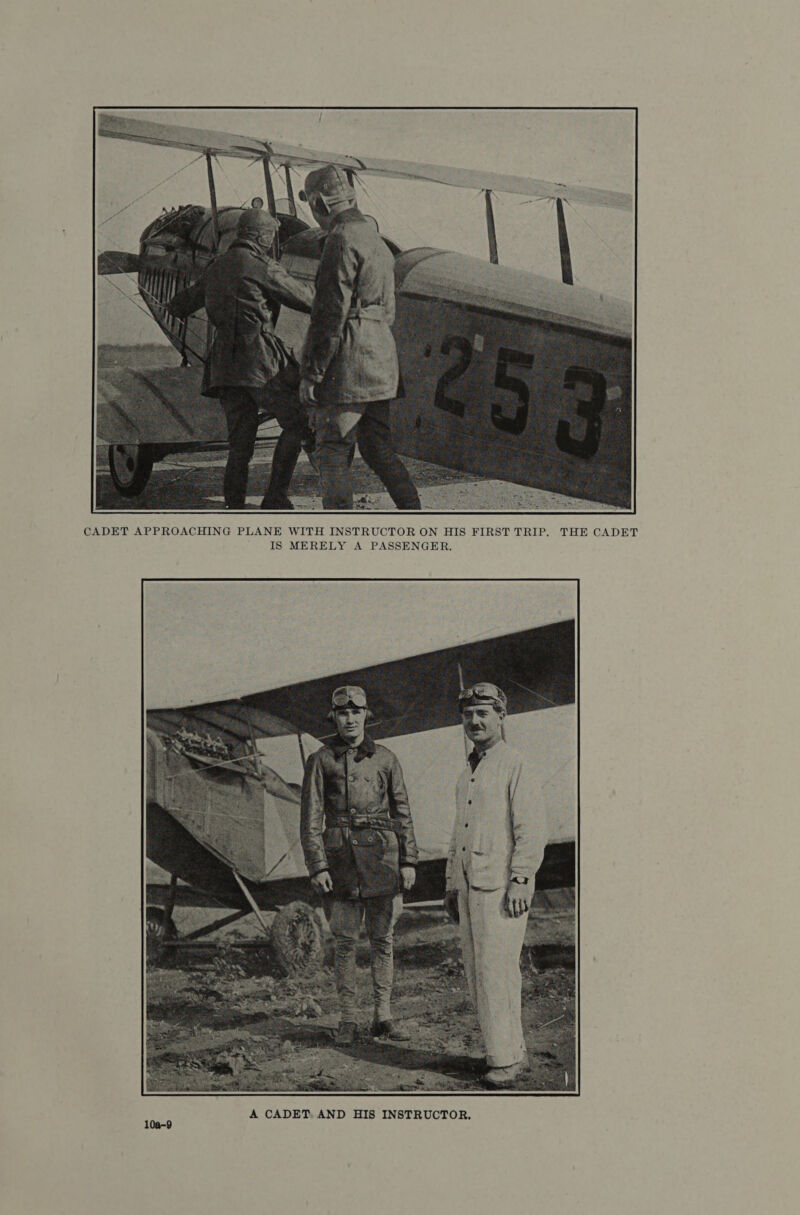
(367, 312)
(359, 820)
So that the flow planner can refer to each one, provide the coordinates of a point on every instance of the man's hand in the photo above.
(518, 899)
(408, 875)
(451, 905)
(322, 882)
(306, 392)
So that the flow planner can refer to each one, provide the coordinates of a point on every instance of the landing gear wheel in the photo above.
(296, 940)
(130, 465)
(156, 932)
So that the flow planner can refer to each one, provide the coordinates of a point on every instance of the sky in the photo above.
(578, 147)
(208, 640)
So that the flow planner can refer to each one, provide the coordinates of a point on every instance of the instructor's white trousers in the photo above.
(491, 945)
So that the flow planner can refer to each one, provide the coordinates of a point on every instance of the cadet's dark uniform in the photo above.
(240, 290)
(355, 822)
(350, 354)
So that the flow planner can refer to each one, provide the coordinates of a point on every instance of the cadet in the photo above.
(359, 846)
(249, 368)
(498, 841)
(349, 368)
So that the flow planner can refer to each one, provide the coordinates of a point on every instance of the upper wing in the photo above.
(223, 144)
(193, 139)
(448, 175)
(535, 667)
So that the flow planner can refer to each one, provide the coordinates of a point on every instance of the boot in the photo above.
(346, 1033)
(390, 1030)
(268, 503)
(284, 459)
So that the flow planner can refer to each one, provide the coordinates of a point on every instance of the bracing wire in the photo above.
(149, 315)
(381, 208)
(300, 207)
(139, 197)
(236, 193)
(538, 695)
(610, 248)
(131, 299)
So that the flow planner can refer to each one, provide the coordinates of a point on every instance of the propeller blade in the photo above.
(112, 261)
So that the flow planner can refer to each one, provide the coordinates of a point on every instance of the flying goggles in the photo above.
(482, 693)
(349, 695)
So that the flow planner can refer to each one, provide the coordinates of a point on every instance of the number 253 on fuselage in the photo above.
(505, 373)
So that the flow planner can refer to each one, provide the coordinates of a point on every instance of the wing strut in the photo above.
(254, 748)
(273, 210)
(212, 190)
(290, 189)
(461, 689)
(490, 228)
(563, 244)
(254, 907)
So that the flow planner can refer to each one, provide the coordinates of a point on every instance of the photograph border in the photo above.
(361, 1093)
(616, 513)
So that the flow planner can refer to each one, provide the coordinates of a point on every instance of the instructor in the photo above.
(349, 368)
(497, 845)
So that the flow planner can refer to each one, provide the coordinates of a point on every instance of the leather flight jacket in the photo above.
(242, 290)
(355, 819)
(350, 352)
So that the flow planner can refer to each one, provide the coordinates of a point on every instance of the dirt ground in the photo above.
(222, 1020)
(194, 482)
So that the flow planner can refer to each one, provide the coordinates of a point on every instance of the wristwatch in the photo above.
(520, 881)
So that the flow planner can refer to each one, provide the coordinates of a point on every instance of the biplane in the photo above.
(225, 825)
(505, 373)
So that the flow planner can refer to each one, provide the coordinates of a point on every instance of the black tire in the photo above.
(296, 940)
(130, 465)
(156, 932)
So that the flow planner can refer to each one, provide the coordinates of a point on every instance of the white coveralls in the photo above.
(500, 831)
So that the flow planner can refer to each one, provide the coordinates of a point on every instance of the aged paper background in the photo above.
(686, 900)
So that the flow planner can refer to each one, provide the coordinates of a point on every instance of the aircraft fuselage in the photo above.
(505, 373)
